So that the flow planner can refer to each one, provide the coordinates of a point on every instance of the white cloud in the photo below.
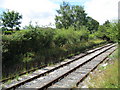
(67, 0)
(41, 11)
(102, 10)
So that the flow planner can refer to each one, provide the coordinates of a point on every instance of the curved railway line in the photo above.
(34, 69)
(65, 74)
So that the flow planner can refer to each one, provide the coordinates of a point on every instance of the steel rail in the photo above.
(42, 74)
(10, 78)
(46, 85)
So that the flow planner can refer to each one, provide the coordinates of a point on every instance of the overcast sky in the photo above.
(44, 11)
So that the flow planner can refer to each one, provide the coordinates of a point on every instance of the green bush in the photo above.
(38, 46)
(109, 33)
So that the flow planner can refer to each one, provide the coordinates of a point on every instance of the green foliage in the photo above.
(64, 20)
(10, 19)
(8, 32)
(74, 16)
(92, 24)
(78, 16)
(69, 36)
(108, 31)
(27, 57)
(39, 46)
(113, 32)
(107, 23)
(102, 32)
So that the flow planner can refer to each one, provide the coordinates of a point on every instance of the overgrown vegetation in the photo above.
(36, 46)
(32, 48)
(108, 77)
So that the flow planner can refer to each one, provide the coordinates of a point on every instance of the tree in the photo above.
(92, 24)
(63, 20)
(10, 20)
(70, 16)
(112, 31)
(108, 31)
(107, 23)
(79, 16)
(74, 16)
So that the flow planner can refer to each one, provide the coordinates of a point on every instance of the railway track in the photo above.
(53, 76)
(32, 70)
(29, 71)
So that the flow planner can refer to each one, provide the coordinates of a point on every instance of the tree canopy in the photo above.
(74, 16)
(10, 20)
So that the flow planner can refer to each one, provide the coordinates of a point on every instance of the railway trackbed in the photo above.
(65, 74)
(34, 69)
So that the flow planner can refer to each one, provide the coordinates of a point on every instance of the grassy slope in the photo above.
(106, 77)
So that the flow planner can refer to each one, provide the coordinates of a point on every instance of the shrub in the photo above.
(39, 46)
